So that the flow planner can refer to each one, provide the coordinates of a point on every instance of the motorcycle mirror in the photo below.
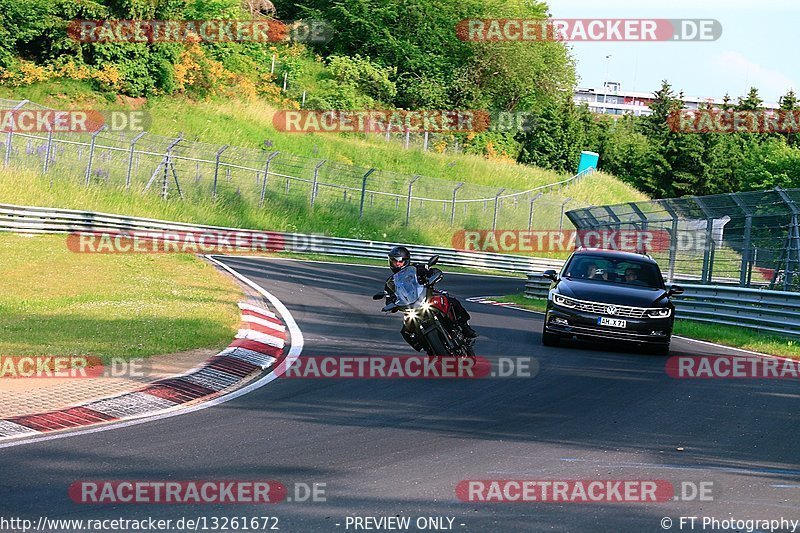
(433, 260)
(378, 296)
(435, 278)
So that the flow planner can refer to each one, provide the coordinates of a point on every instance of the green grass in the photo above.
(248, 124)
(56, 302)
(745, 339)
(534, 304)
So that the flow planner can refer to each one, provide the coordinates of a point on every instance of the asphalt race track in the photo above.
(400, 447)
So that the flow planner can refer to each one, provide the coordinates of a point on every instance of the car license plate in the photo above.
(613, 322)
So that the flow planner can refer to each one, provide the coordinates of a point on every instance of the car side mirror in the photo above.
(378, 295)
(551, 275)
(433, 260)
(675, 290)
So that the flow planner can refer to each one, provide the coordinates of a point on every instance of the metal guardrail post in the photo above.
(130, 159)
(453, 209)
(216, 170)
(408, 199)
(530, 213)
(496, 201)
(364, 192)
(91, 154)
(314, 182)
(266, 176)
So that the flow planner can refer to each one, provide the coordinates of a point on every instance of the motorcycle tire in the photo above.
(436, 343)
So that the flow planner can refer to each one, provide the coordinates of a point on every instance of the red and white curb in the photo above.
(260, 347)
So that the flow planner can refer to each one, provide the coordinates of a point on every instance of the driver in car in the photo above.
(399, 258)
(632, 276)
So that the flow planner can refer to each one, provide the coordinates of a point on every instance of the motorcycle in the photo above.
(427, 313)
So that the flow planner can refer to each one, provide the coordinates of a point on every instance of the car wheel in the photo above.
(660, 349)
(549, 339)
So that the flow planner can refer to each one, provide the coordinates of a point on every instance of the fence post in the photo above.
(91, 154)
(408, 202)
(314, 183)
(453, 209)
(496, 200)
(216, 171)
(530, 214)
(364, 192)
(11, 133)
(130, 159)
(8, 146)
(425, 143)
(266, 176)
(47, 150)
(561, 220)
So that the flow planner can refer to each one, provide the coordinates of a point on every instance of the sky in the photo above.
(758, 47)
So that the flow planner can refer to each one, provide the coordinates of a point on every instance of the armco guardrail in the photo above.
(25, 219)
(759, 309)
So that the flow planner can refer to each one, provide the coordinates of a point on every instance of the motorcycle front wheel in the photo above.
(434, 338)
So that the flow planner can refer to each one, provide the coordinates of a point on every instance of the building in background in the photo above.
(612, 100)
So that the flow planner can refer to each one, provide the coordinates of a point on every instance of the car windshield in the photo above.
(613, 270)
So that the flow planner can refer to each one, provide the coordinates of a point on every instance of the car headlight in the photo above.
(563, 301)
(664, 312)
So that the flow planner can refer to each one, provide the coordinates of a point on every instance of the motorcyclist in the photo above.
(399, 258)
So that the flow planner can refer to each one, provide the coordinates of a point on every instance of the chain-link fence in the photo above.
(746, 238)
(144, 163)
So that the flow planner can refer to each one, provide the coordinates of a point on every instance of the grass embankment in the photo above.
(721, 334)
(56, 302)
(248, 124)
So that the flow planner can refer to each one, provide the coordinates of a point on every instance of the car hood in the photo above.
(612, 293)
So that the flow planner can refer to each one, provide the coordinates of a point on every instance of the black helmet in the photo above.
(399, 258)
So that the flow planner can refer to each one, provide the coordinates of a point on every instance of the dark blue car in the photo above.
(611, 296)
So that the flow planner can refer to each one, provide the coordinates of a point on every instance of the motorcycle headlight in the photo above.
(664, 312)
(563, 301)
(411, 314)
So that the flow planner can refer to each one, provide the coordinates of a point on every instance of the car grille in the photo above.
(604, 309)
